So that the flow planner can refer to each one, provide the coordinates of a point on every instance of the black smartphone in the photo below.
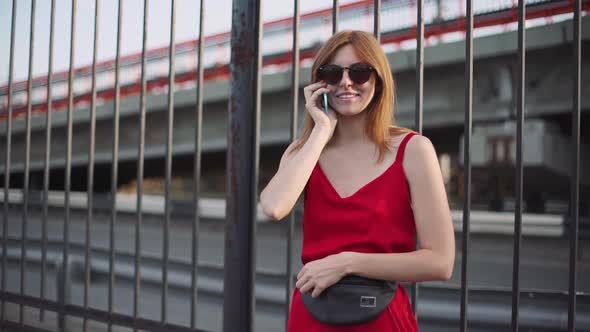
(325, 102)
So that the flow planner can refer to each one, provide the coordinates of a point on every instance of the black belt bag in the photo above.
(352, 300)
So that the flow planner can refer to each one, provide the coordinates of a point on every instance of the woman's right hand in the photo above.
(282, 191)
(313, 94)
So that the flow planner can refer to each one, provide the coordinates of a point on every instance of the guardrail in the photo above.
(489, 305)
(546, 225)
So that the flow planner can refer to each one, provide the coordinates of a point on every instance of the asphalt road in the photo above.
(544, 264)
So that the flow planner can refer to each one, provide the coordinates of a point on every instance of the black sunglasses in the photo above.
(358, 72)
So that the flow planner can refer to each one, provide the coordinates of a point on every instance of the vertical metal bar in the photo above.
(419, 101)
(68, 171)
(419, 65)
(47, 160)
(169, 134)
(8, 152)
(197, 164)
(467, 160)
(90, 180)
(377, 19)
(575, 187)
(27, 158)
(242, 161)
(295, 108)
(439, 11)
(115, 164)
(519, 166)
(335, 10)
(140, 164)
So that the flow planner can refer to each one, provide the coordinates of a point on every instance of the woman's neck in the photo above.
(350, 130)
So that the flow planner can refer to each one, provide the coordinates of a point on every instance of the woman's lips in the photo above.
(347, 96)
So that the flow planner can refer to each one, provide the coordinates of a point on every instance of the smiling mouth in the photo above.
(345, 96)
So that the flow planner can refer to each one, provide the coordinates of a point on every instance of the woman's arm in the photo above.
(434, 258)
(282, 191)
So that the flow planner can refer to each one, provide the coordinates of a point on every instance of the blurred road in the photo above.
(544, 266)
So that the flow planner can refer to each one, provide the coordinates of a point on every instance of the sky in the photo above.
(217, 20)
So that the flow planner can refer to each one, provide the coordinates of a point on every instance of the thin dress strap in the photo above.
(399, 157)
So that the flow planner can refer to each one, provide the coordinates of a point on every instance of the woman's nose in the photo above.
(345, 81)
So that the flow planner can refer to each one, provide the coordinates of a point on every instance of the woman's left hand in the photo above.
(323, 273)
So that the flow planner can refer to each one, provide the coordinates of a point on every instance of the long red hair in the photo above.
(380, 126)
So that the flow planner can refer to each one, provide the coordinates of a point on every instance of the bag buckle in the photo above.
(368, 302)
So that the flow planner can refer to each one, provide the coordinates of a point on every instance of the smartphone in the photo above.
(325, 95)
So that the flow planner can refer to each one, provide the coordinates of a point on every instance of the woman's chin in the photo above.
(348, 111)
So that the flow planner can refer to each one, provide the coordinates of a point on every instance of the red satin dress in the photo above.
(377, 218)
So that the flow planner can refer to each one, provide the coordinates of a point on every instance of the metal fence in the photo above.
(243, 155)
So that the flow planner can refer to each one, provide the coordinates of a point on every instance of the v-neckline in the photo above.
(321, 170)
(395, 161)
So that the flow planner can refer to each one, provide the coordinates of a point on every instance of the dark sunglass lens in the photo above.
(360, 73)
(332, 74)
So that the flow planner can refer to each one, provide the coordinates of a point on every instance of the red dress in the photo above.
(377, 218)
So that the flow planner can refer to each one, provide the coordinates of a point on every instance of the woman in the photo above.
(369, 187)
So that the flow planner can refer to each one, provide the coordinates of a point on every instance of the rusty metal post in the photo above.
(242, 166)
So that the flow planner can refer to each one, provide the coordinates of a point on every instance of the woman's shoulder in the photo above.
(417, 146)
(419, 154)
(420, 146)
(397, 135)
(395, 131)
